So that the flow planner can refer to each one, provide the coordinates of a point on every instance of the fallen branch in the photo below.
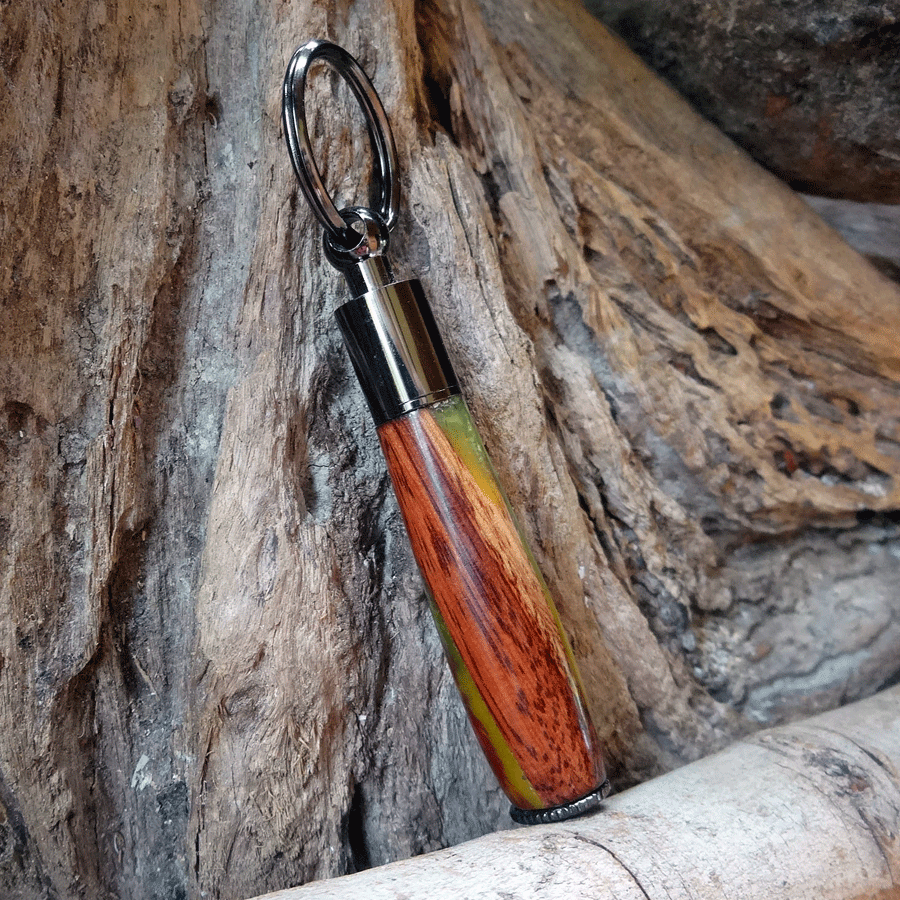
(805, 810)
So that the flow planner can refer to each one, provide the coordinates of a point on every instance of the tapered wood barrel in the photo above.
(503, 639)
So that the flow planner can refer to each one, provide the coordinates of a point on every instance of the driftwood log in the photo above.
(828, 788)
(872, 228)
(811, 89)
(218, 676)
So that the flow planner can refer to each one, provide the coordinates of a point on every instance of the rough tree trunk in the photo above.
(217, 672)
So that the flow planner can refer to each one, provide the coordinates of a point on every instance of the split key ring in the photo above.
(386, 183)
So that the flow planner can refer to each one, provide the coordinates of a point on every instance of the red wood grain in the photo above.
(495, 609)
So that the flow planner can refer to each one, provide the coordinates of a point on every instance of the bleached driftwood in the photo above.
(805, 810)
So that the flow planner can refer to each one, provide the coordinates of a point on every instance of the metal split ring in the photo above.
(385, 183)
(371, 240)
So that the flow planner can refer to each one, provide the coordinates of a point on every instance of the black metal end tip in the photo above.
(585, 804)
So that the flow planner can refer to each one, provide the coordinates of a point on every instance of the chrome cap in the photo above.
(396, 350)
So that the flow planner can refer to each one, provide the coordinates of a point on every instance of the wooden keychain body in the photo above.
(497, 621)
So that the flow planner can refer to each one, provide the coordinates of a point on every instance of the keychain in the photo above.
(500, 630)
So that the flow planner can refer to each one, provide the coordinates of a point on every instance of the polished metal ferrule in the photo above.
(394, 343)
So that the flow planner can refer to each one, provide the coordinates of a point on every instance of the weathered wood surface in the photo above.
(871, 228)
(805, 810)
(217, 672)
(811, 89)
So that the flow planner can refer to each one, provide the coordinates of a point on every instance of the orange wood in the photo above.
(495, 609)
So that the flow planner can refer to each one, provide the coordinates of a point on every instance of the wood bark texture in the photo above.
(218, 673)
(828, 787)
(872, 228)
(809, 88)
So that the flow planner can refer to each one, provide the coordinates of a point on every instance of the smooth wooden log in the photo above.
(806, 810)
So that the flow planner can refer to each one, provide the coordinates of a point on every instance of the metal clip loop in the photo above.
(386, 182)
